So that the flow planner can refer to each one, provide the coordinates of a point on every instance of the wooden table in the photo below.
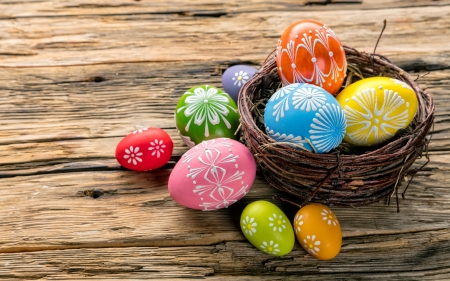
(77, 75)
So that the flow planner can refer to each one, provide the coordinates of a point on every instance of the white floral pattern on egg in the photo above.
(318, 231)
(205, 112)
(267, 228)
(376, 108)
(213, 175)
(145, 149)
(305, 116)
(235, 77)
(310, 52)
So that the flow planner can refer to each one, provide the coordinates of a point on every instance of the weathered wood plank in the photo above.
(75, 76)
(53, 211)
(214, 8)
(63, 103)
(49, 214)
(45, 41)
(418, 255)
(60, 124)
(41, 156)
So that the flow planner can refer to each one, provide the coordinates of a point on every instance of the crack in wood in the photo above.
(157, 243)
(332, 2)
(99, 6)
(21, 54)
(419, 65)
(210, 14)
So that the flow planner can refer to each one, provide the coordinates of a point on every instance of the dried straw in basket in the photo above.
(345, 176)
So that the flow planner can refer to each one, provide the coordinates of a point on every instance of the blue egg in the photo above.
(235, 77)
(305, 116)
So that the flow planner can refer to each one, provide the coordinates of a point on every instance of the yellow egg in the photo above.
(376, 108)
(318, 231)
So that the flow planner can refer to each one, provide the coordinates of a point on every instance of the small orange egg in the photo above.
(318, 231)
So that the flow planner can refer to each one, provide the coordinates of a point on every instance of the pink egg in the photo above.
(213, 175)
(144, 149)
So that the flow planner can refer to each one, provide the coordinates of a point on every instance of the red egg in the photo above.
(144, 149)
(310, 52)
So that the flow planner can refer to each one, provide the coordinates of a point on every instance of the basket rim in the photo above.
(422, 96)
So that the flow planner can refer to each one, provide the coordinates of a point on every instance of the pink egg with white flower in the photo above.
(145, 149)
(213, 175)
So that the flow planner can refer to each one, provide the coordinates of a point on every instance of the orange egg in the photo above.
(310, 52)
(318, 231)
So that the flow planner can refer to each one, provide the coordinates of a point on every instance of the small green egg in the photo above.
(205, 112)
(267, 228)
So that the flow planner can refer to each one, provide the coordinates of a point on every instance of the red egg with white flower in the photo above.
(145, 149)
(310, 52)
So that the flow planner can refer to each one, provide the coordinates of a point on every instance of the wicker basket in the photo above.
(343, 176)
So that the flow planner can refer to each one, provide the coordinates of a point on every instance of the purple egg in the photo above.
(234, 77)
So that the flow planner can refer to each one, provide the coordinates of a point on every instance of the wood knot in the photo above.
(91, 193)
(96, 79)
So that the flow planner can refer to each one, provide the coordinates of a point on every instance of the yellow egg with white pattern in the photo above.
(376, 108)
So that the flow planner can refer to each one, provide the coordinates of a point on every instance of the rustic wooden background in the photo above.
(78, 75)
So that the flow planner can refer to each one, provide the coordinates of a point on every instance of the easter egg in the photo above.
(144, 149)
(205, 112)
(310, 52)
(376, 108)
(318, 231)
(235, 77)
(305, 116)
(267, 228)
(212, 175)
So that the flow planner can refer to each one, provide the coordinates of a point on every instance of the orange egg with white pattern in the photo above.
(310, 52)
(318, 231)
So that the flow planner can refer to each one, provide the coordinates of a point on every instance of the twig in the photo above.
(286, 200)
(421, 76)
(320, 185)
(379, 37)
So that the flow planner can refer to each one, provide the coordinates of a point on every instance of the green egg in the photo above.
(205, 112)
(267, 228)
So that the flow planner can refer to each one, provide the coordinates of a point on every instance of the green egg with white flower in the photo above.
(205, 112)
(267, 228)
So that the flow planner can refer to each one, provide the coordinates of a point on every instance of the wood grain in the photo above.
(112, 38)
(76, 76)
(133, 199)
(214, 8)
(135, 209)
(235, 260)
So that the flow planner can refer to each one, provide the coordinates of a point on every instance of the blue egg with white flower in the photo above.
(305, 116)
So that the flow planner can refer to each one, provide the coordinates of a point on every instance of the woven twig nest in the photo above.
(342, 176)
